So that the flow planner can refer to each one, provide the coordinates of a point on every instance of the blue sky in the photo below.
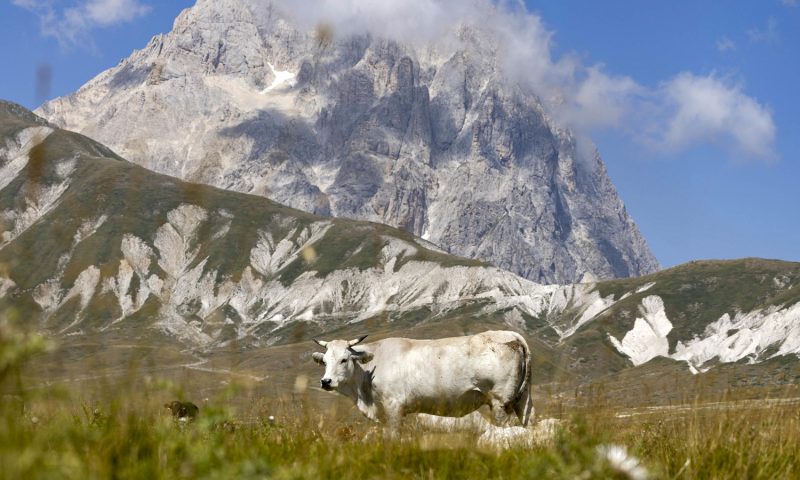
(701, 190)
(703, 201)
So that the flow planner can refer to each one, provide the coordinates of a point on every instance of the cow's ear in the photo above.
(365, 357)
(318, 357)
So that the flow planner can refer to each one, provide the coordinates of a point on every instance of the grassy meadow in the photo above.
(132, 437)
(120, 429)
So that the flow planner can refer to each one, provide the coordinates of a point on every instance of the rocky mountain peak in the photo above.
(430, 138)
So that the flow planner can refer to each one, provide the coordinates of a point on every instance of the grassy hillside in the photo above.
(698, 291)
(694, 295)
(72, 206)
(127, 270)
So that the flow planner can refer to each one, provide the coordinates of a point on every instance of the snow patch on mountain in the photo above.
(282, 78)
(648, 338)
(756, 335)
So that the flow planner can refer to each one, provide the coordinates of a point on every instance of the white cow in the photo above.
(450, 377)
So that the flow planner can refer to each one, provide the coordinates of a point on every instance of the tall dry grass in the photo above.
(133, 436)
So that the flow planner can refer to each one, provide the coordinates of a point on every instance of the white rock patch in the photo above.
(582, 298)
(175, 239)
(40, 200)
(269, 256)
(6, 284)
(14, 155)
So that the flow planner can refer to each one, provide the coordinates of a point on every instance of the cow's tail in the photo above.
(523, 402)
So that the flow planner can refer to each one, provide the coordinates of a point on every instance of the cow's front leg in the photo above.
(500, 413)
(394, 419)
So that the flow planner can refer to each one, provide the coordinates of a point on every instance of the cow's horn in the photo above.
(356, 341)
(321, 343)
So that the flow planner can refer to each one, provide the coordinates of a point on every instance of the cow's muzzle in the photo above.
(325, 383)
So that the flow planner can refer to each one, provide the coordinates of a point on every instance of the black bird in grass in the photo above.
(183, 411)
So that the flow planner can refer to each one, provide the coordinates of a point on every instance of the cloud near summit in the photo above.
(678, 113)
(70, 22)
(681, 112)
(710, 109)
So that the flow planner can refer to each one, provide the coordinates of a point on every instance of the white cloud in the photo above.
(768, 34)
(706, 109)
(601, 100)
(724, 44)
(585, 95)
(409, 20)
(110, 12)
(71, 24)
(789, 3)
(684, 111)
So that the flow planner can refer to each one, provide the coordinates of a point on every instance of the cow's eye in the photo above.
(344, 360)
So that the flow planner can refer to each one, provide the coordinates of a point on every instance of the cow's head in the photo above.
(339, 360)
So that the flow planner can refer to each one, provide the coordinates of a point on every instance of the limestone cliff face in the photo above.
(431, 139)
